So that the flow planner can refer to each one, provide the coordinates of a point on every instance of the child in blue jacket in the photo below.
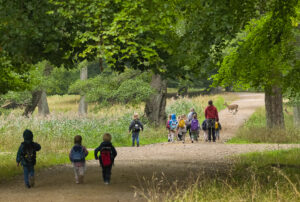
(27, 157)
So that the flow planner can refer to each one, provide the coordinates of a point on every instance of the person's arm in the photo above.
(142, 126)
(70, 155)
(96, 152)
(37, 147)
(130, 126)
(217, 115)
(18, 159)
(205, 113)
(114, 151)
(86, 152)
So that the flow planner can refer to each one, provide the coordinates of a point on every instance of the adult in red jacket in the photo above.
(211, 115)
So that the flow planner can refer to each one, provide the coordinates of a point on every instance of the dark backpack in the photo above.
(204, 125)
(136, 127)
(194, 125)
(211, 123)
(29, 153)
(106, 156)
(77, 154)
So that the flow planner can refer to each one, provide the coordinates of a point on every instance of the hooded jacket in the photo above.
(211, 112)
(28, 142)
(103, 145)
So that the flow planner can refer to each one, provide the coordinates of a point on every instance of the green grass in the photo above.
(55, 133)
(255, 131)
(8, 166)
(254, 177)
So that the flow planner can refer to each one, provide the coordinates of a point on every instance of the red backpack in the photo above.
(105, 156)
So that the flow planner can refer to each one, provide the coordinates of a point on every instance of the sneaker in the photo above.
(27, 186)
(106, 183)
(31, 181)
(192, 141)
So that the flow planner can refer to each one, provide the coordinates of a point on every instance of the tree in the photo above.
(262, 58)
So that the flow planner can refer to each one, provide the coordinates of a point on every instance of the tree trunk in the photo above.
(156, 105)
(274, 108)
(82, 109)
(36, 96)
(43, 107)
(297, 115)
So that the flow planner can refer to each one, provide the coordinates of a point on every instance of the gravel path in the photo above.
(177, 161)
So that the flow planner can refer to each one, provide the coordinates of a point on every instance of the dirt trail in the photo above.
(176, 161)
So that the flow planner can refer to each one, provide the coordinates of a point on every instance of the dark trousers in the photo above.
(28, 172)
(211, 132)
(106, 173)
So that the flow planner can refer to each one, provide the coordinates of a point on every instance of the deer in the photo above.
(232, 108)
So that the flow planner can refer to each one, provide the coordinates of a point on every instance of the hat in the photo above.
(28, 136)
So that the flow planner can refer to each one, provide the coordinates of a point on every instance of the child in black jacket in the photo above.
(107, 156)
(27, 157)
(135, 127)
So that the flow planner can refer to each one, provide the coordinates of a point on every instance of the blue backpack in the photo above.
(194, 125)
(77, 154)
(173, 124)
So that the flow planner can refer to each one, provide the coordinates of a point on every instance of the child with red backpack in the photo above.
(107, 156)
(195, 128)
(77, 157)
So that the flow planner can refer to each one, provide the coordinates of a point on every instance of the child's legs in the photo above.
(172, 134)
(106, 173)
(217, 134)
(183, 136)
(26, 174)
(209, 134)
(133, 138)
(76, 171)
(137, 139)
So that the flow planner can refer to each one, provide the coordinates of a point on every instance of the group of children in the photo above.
(177, 128)
(184, 124)
(27, 157)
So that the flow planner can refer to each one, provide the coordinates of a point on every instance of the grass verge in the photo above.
(255, 177)
(255, 131)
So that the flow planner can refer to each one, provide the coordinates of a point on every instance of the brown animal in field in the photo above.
(232, 108)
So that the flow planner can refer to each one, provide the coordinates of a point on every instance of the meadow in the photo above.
(257, 176)
(55, 132)
(254, 130)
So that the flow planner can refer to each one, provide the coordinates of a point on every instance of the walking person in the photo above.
(106, 158)
(211, 115)
(195, 128)
(135, 127)
(27, 157)
(189, 121)
(77, 157)
(173, 127)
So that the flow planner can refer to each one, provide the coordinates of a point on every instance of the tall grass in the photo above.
(55, 132)
(255, 177)
(254, 130)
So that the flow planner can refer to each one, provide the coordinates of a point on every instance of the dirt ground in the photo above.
(176, 160)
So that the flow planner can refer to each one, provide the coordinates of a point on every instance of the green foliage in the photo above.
(262, 57)
(60, 80)
(132, 87)
(12, 78)
(254, 131)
